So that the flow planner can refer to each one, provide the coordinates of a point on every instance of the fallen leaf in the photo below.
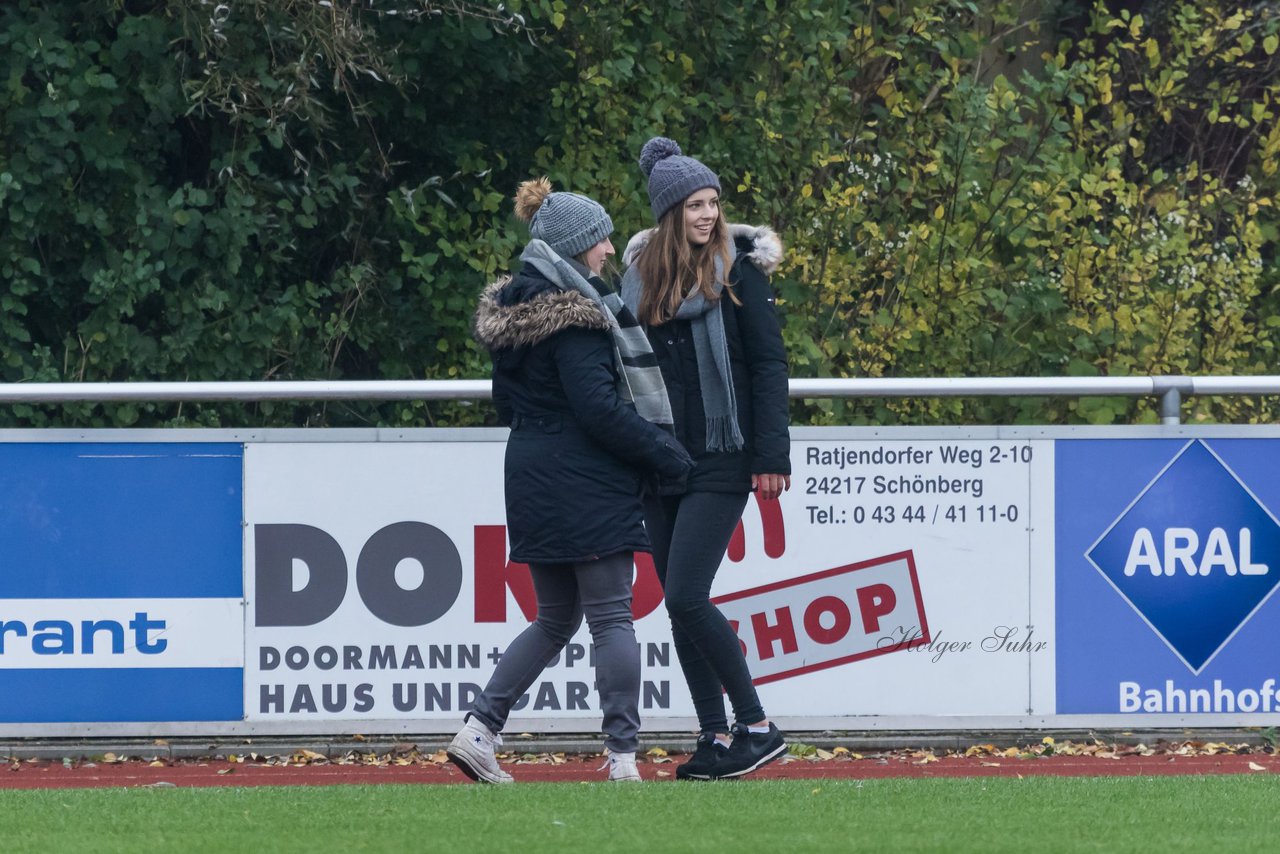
(840, 750)
(991, 764)
(655, 751)
(1254, 766)
(824, 754)
(664, 773)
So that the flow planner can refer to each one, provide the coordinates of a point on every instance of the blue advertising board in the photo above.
(121, 582)
(1167, 558)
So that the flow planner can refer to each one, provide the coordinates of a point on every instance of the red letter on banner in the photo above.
(766, 634)
(646, 592)
(874, 602)
(494, 575)
(834, 606)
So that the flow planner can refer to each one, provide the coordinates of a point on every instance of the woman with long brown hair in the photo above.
(700, 289)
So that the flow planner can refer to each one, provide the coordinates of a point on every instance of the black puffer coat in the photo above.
(758, 363)
(578, 452)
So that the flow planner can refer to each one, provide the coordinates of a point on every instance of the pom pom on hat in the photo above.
(569, 223)
(529, 197)
(658, 148)
(672, 176)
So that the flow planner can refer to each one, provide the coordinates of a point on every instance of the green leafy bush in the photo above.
(285, 190)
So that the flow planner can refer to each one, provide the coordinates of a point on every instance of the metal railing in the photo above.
(1170, 390)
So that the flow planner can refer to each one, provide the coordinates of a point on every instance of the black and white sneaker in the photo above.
(749, 751)
(708, 752)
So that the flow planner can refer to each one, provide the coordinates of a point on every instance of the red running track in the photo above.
(574, 769)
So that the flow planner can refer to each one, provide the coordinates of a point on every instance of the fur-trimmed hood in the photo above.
(766, 246)
(532, 321)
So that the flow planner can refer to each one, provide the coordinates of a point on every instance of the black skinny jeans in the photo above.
(689, 534)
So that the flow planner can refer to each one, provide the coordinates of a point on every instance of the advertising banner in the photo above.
(120, 589)
(317, 581)
(1168, 556)
(379, 588)
(903, 588)
(892, 579)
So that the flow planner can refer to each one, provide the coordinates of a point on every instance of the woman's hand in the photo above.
(770, 486)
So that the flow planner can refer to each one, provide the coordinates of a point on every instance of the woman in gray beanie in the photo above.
(699, 286)
(575, 379)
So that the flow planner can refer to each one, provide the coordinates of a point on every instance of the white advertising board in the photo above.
(890, 580)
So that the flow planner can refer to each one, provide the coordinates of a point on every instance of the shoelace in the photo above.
(609, 759)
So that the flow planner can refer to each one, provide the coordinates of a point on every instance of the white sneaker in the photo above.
(472, 751)
(622, 767)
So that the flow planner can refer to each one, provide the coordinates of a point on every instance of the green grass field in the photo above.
(1105, 814)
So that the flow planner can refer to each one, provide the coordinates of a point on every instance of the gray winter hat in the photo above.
(569, 223)
(672, 176)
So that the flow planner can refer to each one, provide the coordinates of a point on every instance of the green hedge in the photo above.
(278, 189)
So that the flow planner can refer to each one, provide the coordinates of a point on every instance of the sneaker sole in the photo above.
(460, 760)
(687, 776)
(764, 760)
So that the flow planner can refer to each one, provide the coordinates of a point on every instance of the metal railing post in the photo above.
(1170, 391)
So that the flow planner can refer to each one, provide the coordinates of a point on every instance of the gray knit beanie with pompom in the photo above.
(568, 222)
(672, 176)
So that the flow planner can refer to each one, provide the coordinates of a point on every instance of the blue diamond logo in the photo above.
(1195, 554)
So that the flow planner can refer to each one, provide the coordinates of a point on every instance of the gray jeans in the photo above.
(600, 590)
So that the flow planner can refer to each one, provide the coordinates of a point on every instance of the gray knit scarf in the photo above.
(711, 347)
(640, 377)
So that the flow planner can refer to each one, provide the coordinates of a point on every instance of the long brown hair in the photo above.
(670, 268)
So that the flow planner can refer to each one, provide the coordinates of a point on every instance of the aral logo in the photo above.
(1195, 554)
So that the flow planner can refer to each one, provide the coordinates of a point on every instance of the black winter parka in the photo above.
(758, 364)
(578, 452)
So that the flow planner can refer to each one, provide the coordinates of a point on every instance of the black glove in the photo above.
(676, 462)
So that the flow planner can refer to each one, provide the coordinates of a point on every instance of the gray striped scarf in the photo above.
(640, 377)
(711, 347)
